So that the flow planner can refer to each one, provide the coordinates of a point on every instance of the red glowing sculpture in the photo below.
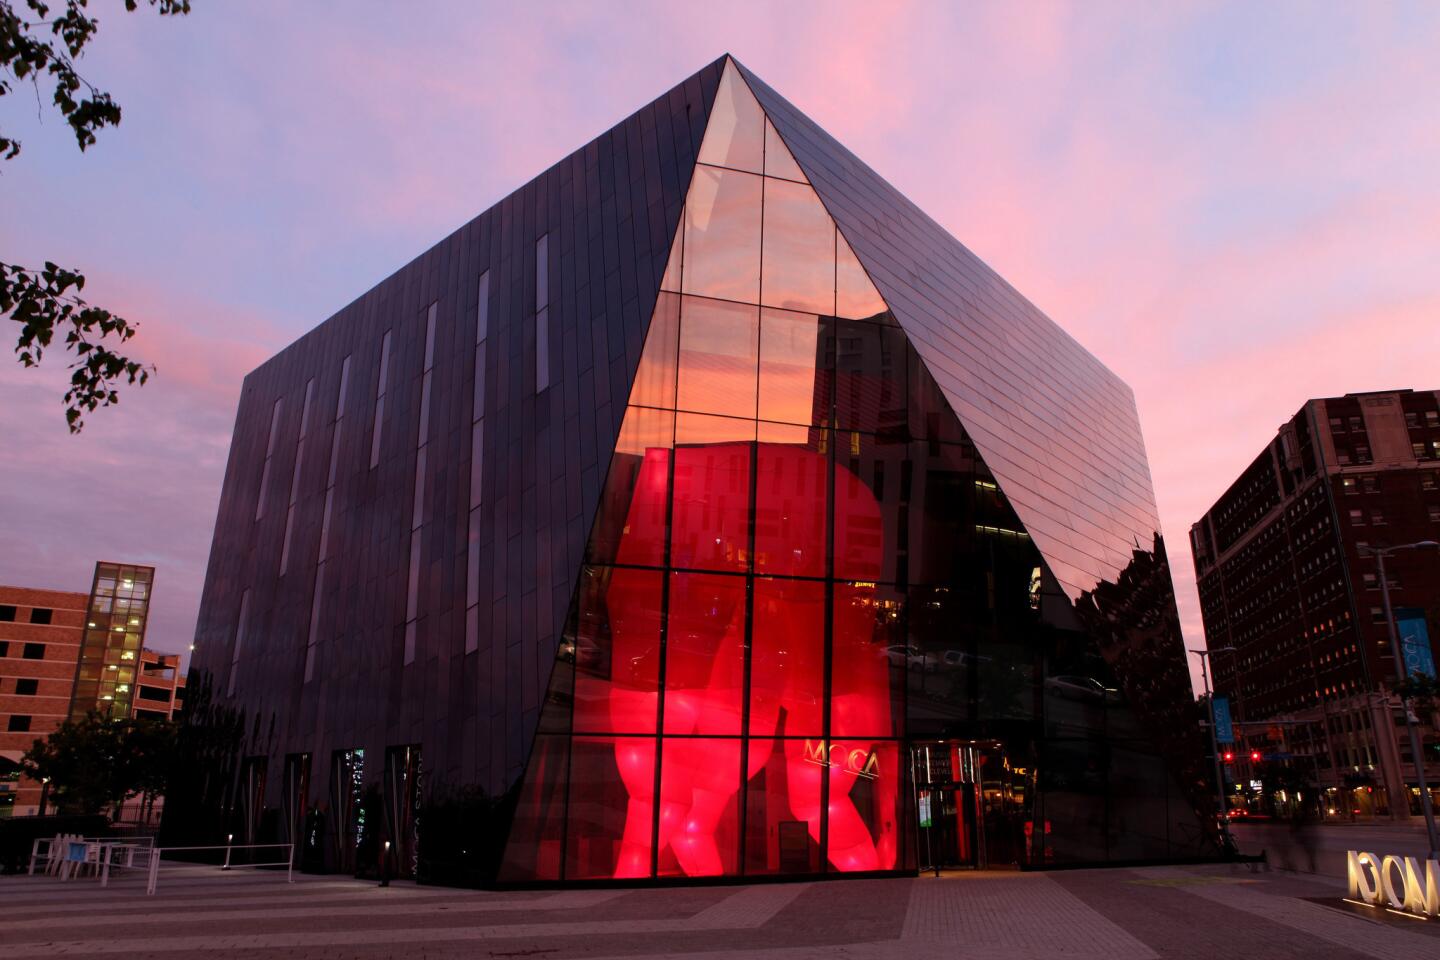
(704, 662)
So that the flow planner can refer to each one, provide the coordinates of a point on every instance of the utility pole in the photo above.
(1380, 553)
(1215, 747)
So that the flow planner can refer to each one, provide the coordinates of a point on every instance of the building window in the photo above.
(41, 615)
(477, 463)
(542, 313)
(1377, 614)
(1412, 419)
(269, 454)
(34, 651)
(312, 635)
(1432, 418)
(4, 648)
(380, 400)
(1434, 511)
(1349, 486)
(417, 506)
(295, 478)
(240, 619)
(7, 613)
(1377, 518)
(1371, 484)
(1427, 481)
(1418, 449)
(1357, 425)
(1371, 581)
(1357, 518)
(26, 686)
(1337, 425)
(18, 724)
(1362, 454)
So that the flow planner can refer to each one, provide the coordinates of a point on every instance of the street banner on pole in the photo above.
(1224, 729)
(1415, 653)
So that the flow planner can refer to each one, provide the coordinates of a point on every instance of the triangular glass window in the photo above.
(778, 161)
(735, 135)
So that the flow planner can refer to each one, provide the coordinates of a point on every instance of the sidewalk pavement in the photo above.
(1113, 914)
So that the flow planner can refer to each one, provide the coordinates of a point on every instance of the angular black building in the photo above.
(701, 509)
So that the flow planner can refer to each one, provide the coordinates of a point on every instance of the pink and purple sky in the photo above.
(1235, 207)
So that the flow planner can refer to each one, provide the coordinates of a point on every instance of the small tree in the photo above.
(95, 762)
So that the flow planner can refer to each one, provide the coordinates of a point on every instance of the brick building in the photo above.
(40, 635)
(1287, 580)
(160, 689)
(63, 653)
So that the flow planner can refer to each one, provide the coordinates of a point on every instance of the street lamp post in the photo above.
(1380, 553)
(1215, 744)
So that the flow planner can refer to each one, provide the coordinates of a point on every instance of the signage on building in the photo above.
(1224, 729)
(1415, 653)
(857, 762)
(1400, 884)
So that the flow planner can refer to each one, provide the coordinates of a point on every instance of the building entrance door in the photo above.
(949, 785)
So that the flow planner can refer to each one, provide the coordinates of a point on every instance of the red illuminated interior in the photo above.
(704, 674)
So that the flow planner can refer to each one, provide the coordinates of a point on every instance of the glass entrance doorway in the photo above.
(959, 826)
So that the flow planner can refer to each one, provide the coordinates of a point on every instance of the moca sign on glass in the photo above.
(1397, 883)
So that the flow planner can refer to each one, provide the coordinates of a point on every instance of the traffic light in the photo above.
(1229, 756)
(1254, 756)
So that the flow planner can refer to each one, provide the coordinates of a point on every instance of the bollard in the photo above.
(104, 864)
(385, 865)
(229, 839)
(154, 871)
(290, 866)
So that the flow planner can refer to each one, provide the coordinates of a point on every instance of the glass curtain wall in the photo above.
(799, 560)
(118, 610)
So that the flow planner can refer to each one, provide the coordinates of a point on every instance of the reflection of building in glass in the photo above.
(1283, 580)
(109, 667)
(747, 517)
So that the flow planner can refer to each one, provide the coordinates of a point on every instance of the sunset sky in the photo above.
(1235, 207)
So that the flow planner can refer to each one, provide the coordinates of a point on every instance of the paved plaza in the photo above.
(1180, 912)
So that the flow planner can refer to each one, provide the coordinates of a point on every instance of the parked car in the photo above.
(910, 657)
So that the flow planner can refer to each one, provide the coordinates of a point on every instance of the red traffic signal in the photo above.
(1254, 756)
(1229, 756)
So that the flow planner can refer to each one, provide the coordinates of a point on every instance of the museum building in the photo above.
(710, 511)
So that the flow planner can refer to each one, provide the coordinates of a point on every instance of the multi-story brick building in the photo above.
(1287, 580)
(63, 653)
(160, 689)
(40, 635)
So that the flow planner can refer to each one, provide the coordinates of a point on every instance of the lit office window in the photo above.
(269, 454)
(417, 508)
(380, 400)
(295, 477)
(312, 635)
(542, 313)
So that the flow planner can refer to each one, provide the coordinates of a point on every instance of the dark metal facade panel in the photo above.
(610, 210)
(1059, 430)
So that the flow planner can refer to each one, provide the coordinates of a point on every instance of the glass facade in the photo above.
(119, 608)
(805, 590)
